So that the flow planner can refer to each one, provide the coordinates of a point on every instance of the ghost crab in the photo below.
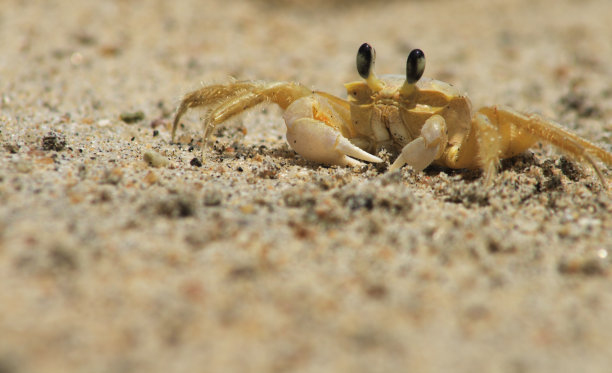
(427, 121)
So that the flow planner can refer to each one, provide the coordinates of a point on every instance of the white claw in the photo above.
(348, 148)
(416, 154)
(423, 150)
(319, 141)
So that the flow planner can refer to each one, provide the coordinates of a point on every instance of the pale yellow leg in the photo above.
(234, 98)
(489, 141)
(207, 96)
(531, 127)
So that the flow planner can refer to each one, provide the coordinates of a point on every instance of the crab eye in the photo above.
(365, 60)
(415, 66)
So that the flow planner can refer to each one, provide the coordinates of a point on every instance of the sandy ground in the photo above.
(259, 261)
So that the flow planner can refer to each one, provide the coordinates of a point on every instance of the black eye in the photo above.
(415, 66)
(365, 60)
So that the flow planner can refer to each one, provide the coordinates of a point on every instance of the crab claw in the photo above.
(318, 142)
(313, 134)
(423, 150)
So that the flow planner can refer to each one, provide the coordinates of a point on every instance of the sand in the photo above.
(122, 252)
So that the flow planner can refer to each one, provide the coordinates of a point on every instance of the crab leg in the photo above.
(531, 127)
(490, 139)
(316, 126)
(231, 99)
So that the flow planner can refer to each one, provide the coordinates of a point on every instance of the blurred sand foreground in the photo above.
(259, 261)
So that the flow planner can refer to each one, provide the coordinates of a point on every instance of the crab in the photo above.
(425, 121)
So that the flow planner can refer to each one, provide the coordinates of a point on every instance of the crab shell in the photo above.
(375, 115)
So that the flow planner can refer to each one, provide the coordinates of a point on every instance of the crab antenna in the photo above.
(366, 57)
(415, 66)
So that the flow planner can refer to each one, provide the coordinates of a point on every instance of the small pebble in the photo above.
(130, 118)
(54, 141)
(195, 162)
(155, 159)
(103, 122)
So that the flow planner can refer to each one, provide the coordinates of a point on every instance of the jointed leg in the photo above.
(490, 142)
(518, 132)
(234, 98)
